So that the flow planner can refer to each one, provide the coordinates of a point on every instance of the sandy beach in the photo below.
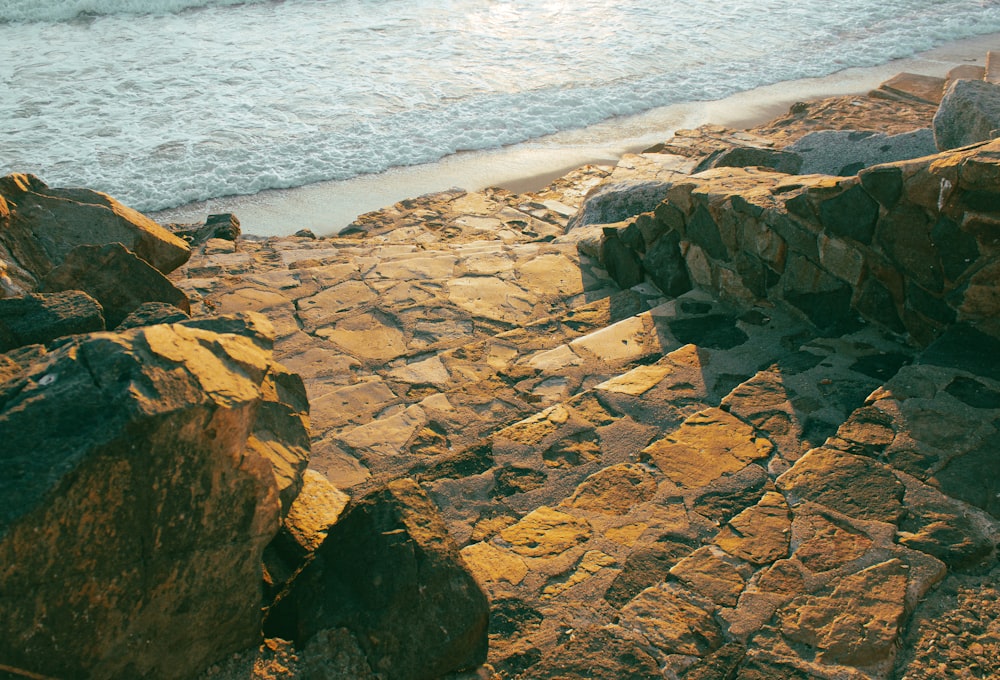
(327, 207)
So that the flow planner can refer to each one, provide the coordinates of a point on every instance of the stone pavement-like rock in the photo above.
(645, 484)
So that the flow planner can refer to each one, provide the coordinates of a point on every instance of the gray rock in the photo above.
(751, 156)
(969, 113)
(845, 152)
(618, 201)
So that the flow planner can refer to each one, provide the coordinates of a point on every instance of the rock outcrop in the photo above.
(114, 276)
(846, 152)
(224, 226)
(135, 514)
(911, 246)
(40, 225)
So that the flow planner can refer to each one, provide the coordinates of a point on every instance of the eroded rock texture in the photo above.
(134, 513)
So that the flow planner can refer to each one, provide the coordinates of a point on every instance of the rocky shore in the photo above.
(727, 409)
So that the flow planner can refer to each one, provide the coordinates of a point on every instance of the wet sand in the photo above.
(327, 207)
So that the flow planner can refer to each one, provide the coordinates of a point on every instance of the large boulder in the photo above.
(389, 573)
(40, 225)
(969, 113)
(115, 277)
(134, 514)
(151, 314)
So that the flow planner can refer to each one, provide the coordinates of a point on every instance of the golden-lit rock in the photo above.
(760, 534)
(545, 532)
(141, 516)
(712, 574)
(614, 490)
(673, 621)
(708, 445)
(40, 225)
(490, 564)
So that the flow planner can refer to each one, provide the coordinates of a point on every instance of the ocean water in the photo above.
(161, 103)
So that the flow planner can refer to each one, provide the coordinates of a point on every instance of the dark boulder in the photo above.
(152, 313)
(224, 226)
(390, 574)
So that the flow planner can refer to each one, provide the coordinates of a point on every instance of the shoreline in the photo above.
(327, 207)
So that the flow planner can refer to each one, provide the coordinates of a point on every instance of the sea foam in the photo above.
(168, 107)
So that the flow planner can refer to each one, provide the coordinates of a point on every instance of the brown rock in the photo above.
(827, 542)
(151, 314)
(116, 278)
(673, 621)
(223, 226)
(305, 526)
(729, 496)
(711, 573)
(722, 663)
(646, 567)
(598, 654)
(708, 445)
(854, 485)
(135, 527)
(490, 564)
(545, 532)
(614, 490)
(942, 527)
(759, 534)
(857, 622)
(783, 577)
(281, 437)
(41, 225)
(920, 88)
(315, 510)
(390, 574)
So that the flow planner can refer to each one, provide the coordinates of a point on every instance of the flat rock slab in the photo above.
(631, 503)
(708, 445)
(921, 88)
